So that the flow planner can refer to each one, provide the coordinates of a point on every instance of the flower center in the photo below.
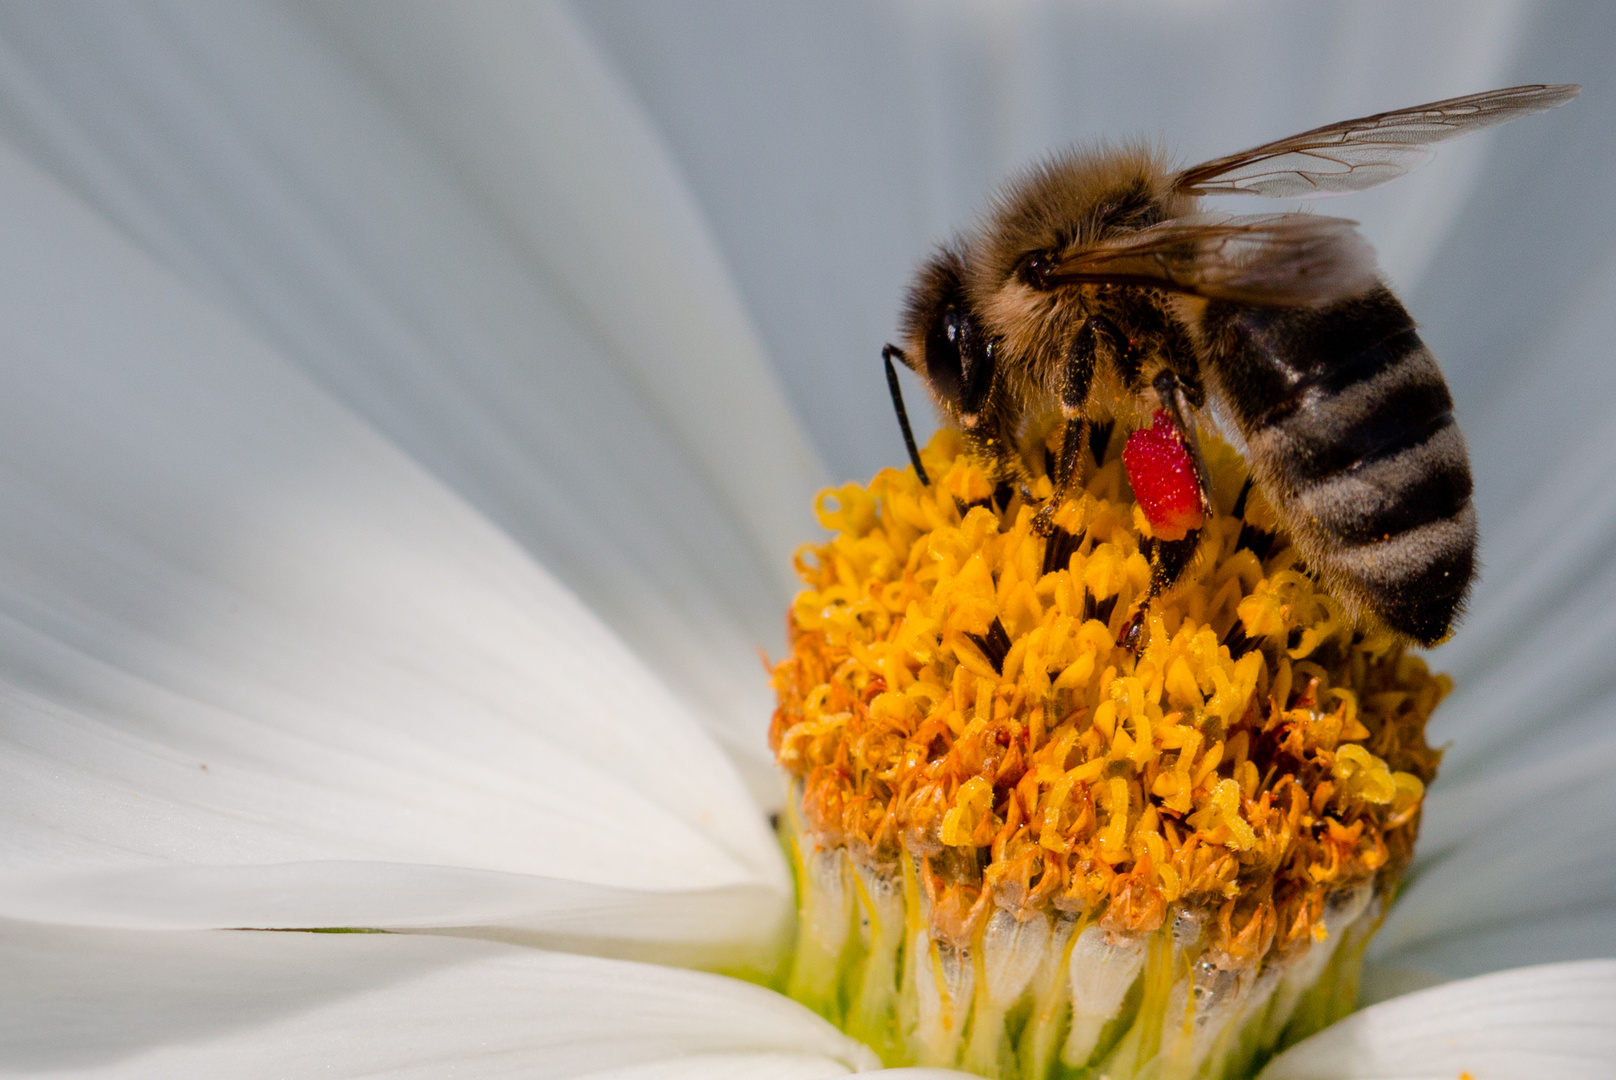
(1025, 849)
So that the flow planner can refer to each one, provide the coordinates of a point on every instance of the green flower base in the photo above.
(1057, 996)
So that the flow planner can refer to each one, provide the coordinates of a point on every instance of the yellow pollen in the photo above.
(960, 722)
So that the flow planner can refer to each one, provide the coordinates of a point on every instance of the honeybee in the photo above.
(1096, 291)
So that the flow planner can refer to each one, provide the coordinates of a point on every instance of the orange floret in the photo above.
(956, 697)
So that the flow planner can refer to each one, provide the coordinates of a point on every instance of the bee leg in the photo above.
(1075, 384)
(1073, 436)
(1170, 558)
(1170, 392)
(1077, 430)
(1168, 561)
(1132, 627)
(903, 414)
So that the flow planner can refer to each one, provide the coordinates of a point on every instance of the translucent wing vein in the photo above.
(1357, 154)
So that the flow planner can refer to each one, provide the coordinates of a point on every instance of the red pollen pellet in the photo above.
(1163, 478)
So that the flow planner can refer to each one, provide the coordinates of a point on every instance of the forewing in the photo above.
(1358, 154)
(1271, 259)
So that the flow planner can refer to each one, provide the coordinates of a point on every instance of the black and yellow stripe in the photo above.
(1350, 427)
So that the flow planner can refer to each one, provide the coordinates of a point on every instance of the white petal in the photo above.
(732, 928)
(240, 629)
(1562, 934)
(492, 262)
(219, 1004)
(582, 176)
(1533, 656)
(1573, 752)
(1516, 851)
(1557, 1020)
(729, 1067)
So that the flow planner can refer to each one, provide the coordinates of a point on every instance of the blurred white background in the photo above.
(830, 145)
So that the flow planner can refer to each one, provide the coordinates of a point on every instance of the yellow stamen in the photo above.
(966, 727)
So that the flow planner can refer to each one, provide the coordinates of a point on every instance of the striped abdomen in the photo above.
(1351, 433)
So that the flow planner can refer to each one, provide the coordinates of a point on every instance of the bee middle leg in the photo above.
(1076, 380)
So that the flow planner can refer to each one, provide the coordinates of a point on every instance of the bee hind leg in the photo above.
(1170, 558)
(1168, 561)
(1170, 391)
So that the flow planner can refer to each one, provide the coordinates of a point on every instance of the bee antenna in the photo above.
(903, 414)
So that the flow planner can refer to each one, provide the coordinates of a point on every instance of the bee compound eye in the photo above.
(944, 362)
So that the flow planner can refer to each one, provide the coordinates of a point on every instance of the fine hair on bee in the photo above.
(1096, 290)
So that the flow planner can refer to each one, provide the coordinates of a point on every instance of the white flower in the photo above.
(318, 369)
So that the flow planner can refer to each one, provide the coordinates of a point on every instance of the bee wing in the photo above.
(1270, 259)
(1358, 154)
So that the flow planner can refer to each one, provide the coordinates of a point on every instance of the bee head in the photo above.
(947, 344)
